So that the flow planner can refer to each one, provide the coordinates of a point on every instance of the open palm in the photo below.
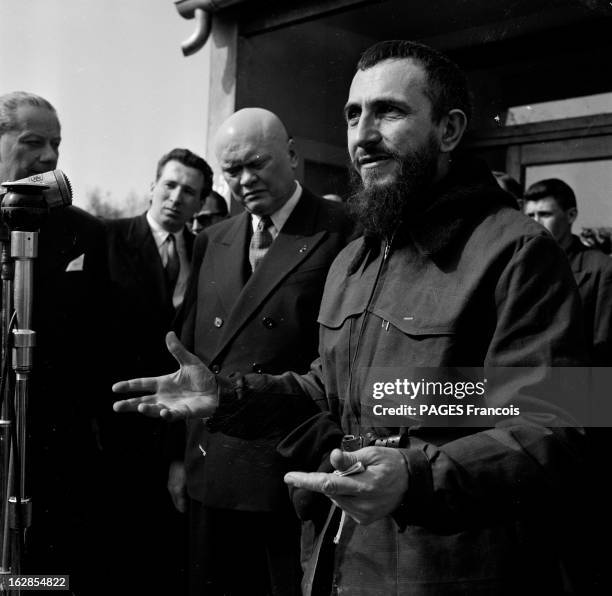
(190, 392)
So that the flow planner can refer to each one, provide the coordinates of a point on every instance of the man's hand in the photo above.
(600, 238)
(190, 392)
(366, 496)
(177, 485)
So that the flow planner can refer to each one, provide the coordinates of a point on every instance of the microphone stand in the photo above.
(6, 274)
(23, 210)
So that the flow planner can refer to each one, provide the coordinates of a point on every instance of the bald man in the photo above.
(252, 306)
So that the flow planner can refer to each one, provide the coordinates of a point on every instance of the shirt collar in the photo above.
(280, 217)
(159, 234)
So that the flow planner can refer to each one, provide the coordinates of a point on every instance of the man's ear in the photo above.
(293, 156)
(453, 126)
(572, 214)
(151, 188)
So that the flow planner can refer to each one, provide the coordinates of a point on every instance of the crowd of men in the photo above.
(255, 468)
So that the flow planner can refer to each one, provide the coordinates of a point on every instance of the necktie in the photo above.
(172, 266)
(260, 242)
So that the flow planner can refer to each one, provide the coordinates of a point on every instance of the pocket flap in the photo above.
(425, 312)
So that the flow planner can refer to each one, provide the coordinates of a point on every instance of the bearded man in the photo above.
(449, 274)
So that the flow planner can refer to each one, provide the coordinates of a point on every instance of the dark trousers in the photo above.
(147, 537)
(241, 553)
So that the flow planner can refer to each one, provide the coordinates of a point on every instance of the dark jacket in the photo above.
(593, 274)
(471, 282)
(69, 382)
(142, 306)
(142, 315)
(266, 325)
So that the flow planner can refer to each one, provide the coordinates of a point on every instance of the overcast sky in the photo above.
(115, 72)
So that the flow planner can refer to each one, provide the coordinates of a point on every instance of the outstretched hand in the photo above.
(190, 392)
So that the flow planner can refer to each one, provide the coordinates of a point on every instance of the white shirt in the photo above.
(160, 235)
(280, 217)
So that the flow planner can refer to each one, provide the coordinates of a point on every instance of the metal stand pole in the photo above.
(6, 275)
(23, 210)
(24, 249)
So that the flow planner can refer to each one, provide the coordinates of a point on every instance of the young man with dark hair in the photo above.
(552, 203)
(150, 261)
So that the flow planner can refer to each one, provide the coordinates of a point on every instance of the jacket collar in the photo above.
(463, 198)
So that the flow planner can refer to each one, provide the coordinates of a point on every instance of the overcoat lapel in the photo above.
(228, 258)
(294, 244)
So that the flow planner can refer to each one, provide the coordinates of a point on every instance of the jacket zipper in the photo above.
(387, 250)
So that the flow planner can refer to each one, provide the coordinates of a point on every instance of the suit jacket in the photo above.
(593, 274)
(134, 445)
(142, 314)
(266, 325)
(66, 399)
(70, 295)
(142, 305)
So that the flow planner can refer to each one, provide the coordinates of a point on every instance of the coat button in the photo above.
(215, 368)
(218, 322)
(257, 368)
(268, 322)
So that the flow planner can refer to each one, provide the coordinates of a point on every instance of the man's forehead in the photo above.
(36, 118)
(542, 204)
(174, 169)
(244, 149)
(398, 76)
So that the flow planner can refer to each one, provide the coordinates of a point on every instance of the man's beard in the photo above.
(379, 208)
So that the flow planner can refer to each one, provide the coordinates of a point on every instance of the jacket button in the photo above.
(218, 322)
(215, 368)
(268, 322)
(257, 368)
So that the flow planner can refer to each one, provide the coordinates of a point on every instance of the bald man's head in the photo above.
(258, 159)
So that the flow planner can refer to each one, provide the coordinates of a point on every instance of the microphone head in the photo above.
(59, 191)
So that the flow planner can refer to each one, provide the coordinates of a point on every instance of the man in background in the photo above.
(150, 261)
(552, 203)
(70, 302)
(213, 211)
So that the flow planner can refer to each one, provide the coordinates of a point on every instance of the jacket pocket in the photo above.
(409, 321)
(416, 323)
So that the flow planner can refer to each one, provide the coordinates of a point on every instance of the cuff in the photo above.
(254, 407)
(418, 497)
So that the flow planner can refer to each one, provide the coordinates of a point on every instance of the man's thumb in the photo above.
(178, 350)
(341, 460)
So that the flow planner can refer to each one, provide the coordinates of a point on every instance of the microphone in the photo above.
(57, 194)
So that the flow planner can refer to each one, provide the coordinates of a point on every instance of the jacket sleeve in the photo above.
(290, 400)
(530, 460)
(602, 320)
